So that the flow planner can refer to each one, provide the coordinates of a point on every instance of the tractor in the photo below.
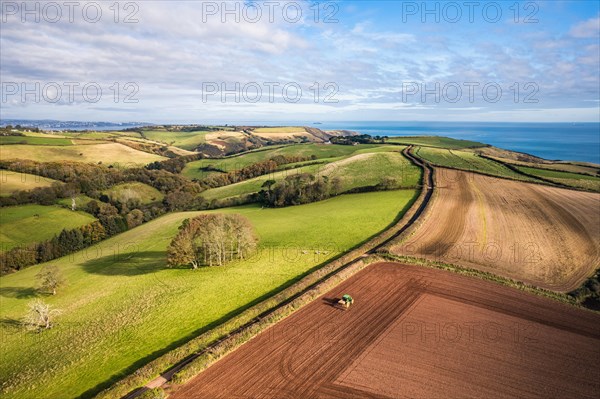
(346, 301)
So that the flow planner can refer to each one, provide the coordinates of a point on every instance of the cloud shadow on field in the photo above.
(131, 264)
(18, 292)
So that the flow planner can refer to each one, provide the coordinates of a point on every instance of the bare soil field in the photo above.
(545, 236)
(415, 332)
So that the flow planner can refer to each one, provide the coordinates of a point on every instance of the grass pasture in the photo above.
(14, 181)
(80, 201)
(185, 140)
(137, 192)
(26, 224)
(114, 154)
(121, 303)
(360, 170)
(34, 140)
(368, 169)
(436, 141)
(254, 185)
(320, 151)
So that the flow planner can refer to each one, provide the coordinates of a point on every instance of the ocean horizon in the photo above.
(553, 141)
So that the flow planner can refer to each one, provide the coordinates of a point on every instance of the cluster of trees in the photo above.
(358, 139)
(174, 165)
(250, 171)
(40, 195)
(68, 241)
(299, 189)
(212, 240)
(589, 293)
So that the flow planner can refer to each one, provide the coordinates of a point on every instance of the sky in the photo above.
(228, 61)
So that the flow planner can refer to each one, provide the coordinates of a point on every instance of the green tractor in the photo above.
(346, 301)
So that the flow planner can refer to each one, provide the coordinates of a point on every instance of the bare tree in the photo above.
(50, 279)
(40, 316)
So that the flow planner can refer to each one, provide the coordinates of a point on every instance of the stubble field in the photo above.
(541, 235)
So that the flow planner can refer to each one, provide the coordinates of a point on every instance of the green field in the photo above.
(25, 224)
(368, 169)
(468, 161)
(254, 185)
(185, 140)
(14, 181)
(137, 192)
(121, 304)
(320, 151)
(34, 140)
(436, 141)
(115, 154)
(80, 201)
(567, 178)
(360, 170)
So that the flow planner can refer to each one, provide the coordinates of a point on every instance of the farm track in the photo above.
(366, 351)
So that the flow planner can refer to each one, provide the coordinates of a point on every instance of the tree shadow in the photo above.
(10, 326)
(130, 264)
(18, 292)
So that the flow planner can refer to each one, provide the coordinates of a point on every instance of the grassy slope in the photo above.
(254, 185)
(568, 178)
(436, 141)
(13, 181)
(192, 169)
(140, 191)
(185, 140)
(364, 169)
(110, 154)
(19, 225)
(31, 140)
(123, 305)
(368, 169)
(80, 201)
(467, 161)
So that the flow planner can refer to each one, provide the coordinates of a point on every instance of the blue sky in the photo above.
(193, 62)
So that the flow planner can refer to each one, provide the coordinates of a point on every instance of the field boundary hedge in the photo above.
(548, 182)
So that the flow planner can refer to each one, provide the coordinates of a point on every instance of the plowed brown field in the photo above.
(546, 236)
(419, 333)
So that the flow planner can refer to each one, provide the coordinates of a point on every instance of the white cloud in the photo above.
(587, 29)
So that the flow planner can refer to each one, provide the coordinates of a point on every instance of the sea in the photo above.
(553, 141)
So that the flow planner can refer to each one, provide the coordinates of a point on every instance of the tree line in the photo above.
(64, 243)
(248, 172)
